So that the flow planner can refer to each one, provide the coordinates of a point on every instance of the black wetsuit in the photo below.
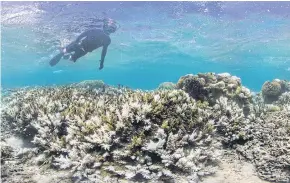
(87, 42)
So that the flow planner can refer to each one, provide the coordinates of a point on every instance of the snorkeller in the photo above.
(88, 42)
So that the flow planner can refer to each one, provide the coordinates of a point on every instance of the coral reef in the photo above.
(270, 148)
(167, 86)
(231, 122)
(6, 152)
(273, 90)
(92, 84)
(92, 132)
(210, 87)
(133, 136)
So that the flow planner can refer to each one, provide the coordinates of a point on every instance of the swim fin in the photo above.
(55, 59)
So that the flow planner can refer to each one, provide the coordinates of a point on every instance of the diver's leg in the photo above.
(78, 54)
(67, 56)
(70, 48)
(67, 53)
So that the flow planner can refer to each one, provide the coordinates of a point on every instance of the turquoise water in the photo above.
(157, 42)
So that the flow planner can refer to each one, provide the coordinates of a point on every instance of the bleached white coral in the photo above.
(63, 162)
(127, 135)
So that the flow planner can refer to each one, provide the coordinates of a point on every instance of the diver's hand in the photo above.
(101, 65)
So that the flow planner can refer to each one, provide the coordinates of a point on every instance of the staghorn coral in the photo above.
(105, 134)
(133, 135)
(269, 150)
(6, 151)
(231, 122)
(284, 99)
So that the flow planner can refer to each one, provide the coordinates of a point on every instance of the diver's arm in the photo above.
(104, 52)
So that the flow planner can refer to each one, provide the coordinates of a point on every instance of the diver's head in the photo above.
(110, 27)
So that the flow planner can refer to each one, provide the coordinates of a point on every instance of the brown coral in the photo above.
(271, 91)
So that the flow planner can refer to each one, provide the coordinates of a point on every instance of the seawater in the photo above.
(157, 42)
